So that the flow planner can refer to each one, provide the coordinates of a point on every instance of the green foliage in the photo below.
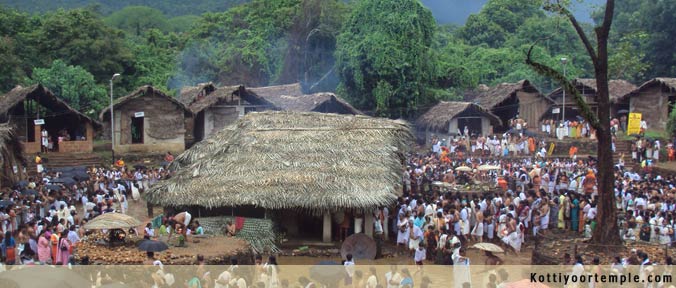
(74, 85)
(671, 123)
(136, 20)
(383, 56)
(498, 19)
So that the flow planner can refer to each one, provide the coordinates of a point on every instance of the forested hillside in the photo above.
(386, 56)
(171, 8)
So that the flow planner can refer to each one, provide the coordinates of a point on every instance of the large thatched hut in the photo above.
(654, 100)
(447, 118)
(21, 106)
(302, 166)
(509, 100)
(618, 90)
(147, 120)
(11, 157)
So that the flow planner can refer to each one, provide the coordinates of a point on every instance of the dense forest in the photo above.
(386, 56)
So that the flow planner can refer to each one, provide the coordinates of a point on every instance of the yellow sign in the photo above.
(551, 149)
(634, 125)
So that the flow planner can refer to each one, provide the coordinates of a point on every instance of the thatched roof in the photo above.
(220, 93)
(189, 94)
(618, 89)
(310, 103)
(490, 97)
(668, 83)
(141, 92)
(286, 160)
(41, 95)
(439, 116)
(289, 90)
(112, 220)
(10, 146)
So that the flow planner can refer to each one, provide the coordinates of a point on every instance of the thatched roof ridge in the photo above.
(285, 160)
(308, 103)
(189, 94)
(141, 92)
(289, 89)
(43, 96)
(220, 93)
(9, 144)
(669, 83)
(439, 117)
(618, 89)
(490, 97)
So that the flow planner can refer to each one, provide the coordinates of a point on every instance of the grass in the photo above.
(650, 133)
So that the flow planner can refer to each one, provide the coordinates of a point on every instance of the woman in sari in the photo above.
(44, 252)
(581, 217)
(574, 213)
(63, 254)
(54, 242)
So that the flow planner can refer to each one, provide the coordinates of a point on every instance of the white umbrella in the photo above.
(488, 167)
(463, 169)
(488, 247)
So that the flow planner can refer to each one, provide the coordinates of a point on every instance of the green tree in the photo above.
(383, 56)
(13, 66)
(497, 19)
(74, 85)
(138, 19)
(79, 37)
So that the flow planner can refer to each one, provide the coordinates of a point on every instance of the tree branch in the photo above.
(567, 86)
(559, 8)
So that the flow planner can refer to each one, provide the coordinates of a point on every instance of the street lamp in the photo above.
(112, 118)
(564, 61)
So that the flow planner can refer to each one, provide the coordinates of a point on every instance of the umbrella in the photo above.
(579, 117)
(490, 247)
(29, 192)
(38, 276)
(360, 246)
(152, 246)
(327, 272)
(112, 221)
(53, 187)
(6, 203)
(463, 169)
(488, 167)
(22, 183)
(525, 283)
(442, 184)
(622, 111)
(81, 176)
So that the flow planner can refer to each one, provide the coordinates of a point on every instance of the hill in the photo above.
(170, 8)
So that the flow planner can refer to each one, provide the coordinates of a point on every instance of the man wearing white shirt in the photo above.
(393, 277)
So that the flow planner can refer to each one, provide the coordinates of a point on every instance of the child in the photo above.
(420, 256)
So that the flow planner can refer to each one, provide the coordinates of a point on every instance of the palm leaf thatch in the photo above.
(41, 95)
(141, 92)
(618, 89)
(318, 102)
(439, 117)
(112, 221)
(190, 94)
(232, 95)
(667, 83)
(288, 89)
(490, 97)
(10, 154)
(258, 232)
(284, 160)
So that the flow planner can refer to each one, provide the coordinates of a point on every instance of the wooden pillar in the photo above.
(368, 224)
(326, 231)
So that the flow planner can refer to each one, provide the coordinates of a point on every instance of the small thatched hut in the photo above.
(508, 100)
(447, 118)
(147, 120)
(296, 164)
(654, 100)
(11, 157)
(587, 87)
(21, 106)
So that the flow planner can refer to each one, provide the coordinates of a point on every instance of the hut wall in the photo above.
(216, 118)
(33, 147)
(80, 146)
(531, 107)
(163, 126)
(189, 125)
(652, 102)
(452, 126)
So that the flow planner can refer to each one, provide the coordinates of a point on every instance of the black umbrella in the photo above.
(152, 246)
(22, 183)
(81, 176)
(6, 203)
(53, 187)
(29, 192)
(622, 111)
(65, 180)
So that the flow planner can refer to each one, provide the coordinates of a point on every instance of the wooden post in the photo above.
(368, 224)
(326, 231)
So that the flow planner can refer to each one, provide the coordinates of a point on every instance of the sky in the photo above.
(457, 11)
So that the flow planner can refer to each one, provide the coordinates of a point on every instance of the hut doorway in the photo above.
(473, 124)
(137, 130)
(199, 127)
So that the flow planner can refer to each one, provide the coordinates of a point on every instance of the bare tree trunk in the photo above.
(607, 232)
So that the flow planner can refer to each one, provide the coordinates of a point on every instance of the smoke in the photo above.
(195, 65)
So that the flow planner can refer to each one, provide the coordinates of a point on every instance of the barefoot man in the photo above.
(182, 218)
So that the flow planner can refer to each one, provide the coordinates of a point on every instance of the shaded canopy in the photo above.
(285, 160)
(439, 117)
(41, 95)
(141, 92)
